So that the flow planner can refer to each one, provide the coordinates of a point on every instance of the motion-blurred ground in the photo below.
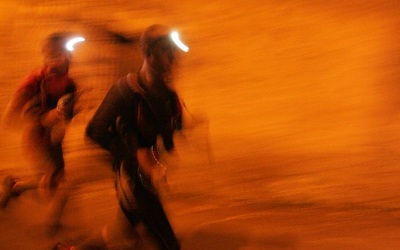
(293, 133)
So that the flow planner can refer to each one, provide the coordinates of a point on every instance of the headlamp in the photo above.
(175, 38)
(70, 43)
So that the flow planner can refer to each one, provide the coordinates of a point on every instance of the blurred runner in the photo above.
(43, 104)
(141, 109)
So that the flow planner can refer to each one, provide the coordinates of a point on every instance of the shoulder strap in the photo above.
(43, 89)
(134, 84)
(43, 93)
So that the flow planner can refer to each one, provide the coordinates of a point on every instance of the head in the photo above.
(159, 50)
(56, 56)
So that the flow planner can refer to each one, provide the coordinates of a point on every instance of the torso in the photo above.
(55, 86)
(155, 116)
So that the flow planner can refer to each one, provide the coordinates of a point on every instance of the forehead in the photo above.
(56, 53)
(163, 43)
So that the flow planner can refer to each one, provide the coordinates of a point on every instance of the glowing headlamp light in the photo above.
(70, 44)
(175, 38)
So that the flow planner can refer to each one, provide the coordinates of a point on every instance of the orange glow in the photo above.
(291, 136)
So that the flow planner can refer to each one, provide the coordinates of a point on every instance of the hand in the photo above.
(49, 118)
(65, 106)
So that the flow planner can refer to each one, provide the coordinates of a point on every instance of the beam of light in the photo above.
(70, 44)
(178, 42)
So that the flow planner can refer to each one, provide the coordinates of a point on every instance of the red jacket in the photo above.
(50, 88)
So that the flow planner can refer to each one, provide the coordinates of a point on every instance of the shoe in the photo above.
(8, 184)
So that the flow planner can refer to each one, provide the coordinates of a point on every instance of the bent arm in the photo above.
(100, 128)
(24, 95)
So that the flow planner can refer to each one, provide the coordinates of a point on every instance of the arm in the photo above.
(100, 126)
(150, 166)
(23, 96)
(51, 118)
(65, 107)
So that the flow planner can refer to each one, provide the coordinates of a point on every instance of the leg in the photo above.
(57, 205)
(56, 186)
(122, 234)
(8, 192)
(116, 236)
(155, 219)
